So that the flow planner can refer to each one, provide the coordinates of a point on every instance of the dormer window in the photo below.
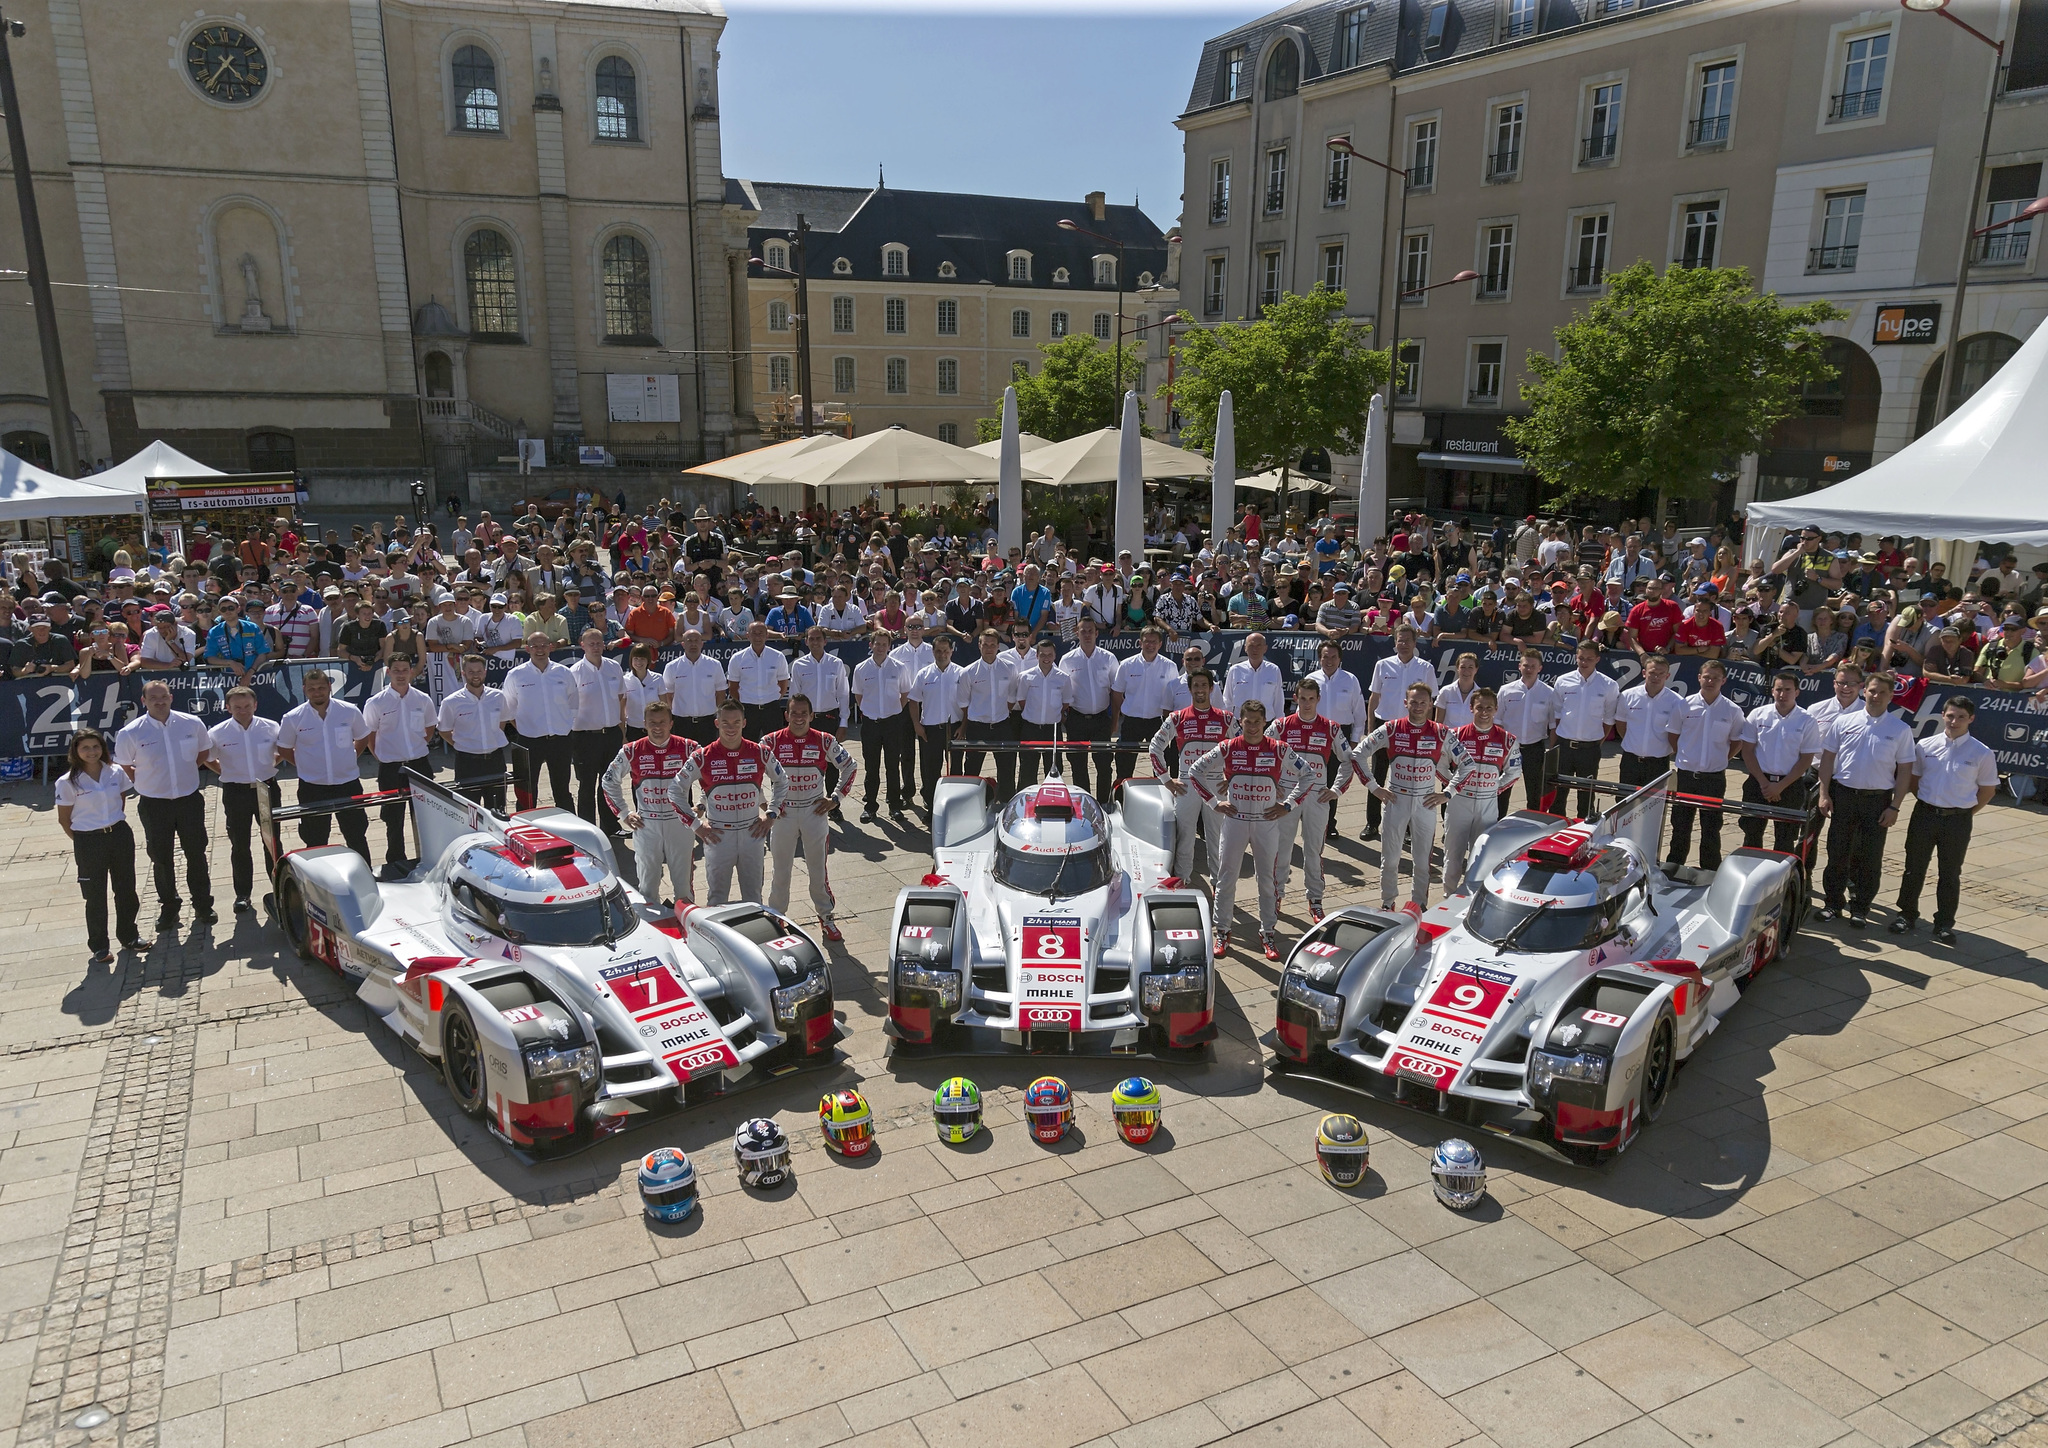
(1020, 266)
(1060, 276)
(776, 255)
(1144, 279)
(947, 269)
(1283, 71)
(1105, 271)
(895, 261)
(841, 267)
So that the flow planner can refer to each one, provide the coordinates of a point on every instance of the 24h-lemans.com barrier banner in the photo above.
(37, 716)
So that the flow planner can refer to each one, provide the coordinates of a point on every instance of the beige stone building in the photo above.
(1826, 147)
(376, 239)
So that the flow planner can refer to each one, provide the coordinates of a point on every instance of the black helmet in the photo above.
(761, 1152)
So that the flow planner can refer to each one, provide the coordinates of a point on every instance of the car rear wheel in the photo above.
(291, 914)
(1659, 1066)
(462, 1060)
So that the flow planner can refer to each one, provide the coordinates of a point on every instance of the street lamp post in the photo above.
(63, 442)
(803, 320)
(1116, 402)
(1951, 360)
(1343, 144)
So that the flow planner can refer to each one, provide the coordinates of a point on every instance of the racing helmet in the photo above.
(1051, 1108)
(1342, 1151)
(847, 1124)
(761, 1152)
(1135, 1103)
(956, 1110)
(1458, 1174)
(668, 1185)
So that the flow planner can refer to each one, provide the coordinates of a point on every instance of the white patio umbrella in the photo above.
(1297, 482)
(1097, 457)
(1130, 483)
(1223, 473)
(1009, 479)
(767, 464)
(1372, 473)
(893, 455)
(1029, 442)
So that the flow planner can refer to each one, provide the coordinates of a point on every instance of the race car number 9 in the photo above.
(1473, 995)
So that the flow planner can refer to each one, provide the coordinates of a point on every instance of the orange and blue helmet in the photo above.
(1051, 1108)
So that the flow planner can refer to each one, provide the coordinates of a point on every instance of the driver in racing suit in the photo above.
(805, 754)
(740, 780)
(1259, 780)
(1483, 762)
(1413, 746)
(1321, 746)
(640, 787)
(1191, 731)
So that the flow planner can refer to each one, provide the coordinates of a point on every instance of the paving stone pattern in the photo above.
(235, 1212)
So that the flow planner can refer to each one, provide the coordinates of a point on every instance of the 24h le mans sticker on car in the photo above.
(677, 1026)
(1051, 981)
(1443, 1034)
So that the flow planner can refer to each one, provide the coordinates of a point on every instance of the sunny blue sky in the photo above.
(1055, 102)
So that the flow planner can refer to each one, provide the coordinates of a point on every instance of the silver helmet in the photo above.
(1458, 1174)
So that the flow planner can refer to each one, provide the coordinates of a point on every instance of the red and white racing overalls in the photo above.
(738, 785)
(1254, 778)
(643, 777)
(1412, 754)
(1195, 731)
(1482, 768)
(804, 762)
(1320, 745)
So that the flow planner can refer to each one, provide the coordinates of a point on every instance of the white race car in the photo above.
(1554, 995)
(560, 1006)
(1049, 923)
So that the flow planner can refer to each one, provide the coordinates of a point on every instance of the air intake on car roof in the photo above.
(538, 848)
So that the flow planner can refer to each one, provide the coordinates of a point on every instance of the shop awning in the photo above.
(1472, 462)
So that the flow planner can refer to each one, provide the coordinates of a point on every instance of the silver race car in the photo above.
(1049, 923)
(1554, 995)
(560, 1006)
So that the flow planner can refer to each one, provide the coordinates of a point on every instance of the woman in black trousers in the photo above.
(92, 809)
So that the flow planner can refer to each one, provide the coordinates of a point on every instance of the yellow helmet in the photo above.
(846, 1122)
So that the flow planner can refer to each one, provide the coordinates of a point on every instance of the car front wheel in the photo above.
(1659, 1066)
(462, 1060)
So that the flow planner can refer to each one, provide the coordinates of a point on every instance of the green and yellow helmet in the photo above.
(956, 1110)
(1135, 1103)
(847, 1123)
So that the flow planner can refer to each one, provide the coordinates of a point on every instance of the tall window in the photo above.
(1337, 182)
(1276, 180)
(1864, 61)
(476, 89)
(776, 255)
(1408, 376)
(1505, 160)
(1059, 324)
(1486, 370)
(842, 374)
(1230, 66)
(1603, 128)
(493, 284)
(1212, 291)
(1105, 326)
(271, 452)
(1351, 37)
(1520, 20)
(896, 375)
(1414, 262)
(895, 316)
(895, 261)
(949, 432)
(949, 377)
(842, 314)
(1020, 267)
(1333, 267)
(1422, 155)
(1020, 323)
(618, 101)
(949, 318)
(1500, 260)
(1700, 242)
(1105, 271)
(778, 316)
(1841, 231)
(1283, 72)
(1716, 104)
(1219, 190)
(1589, 252)
(2010, 190)
(779, 383)
(1269, 278)
(628, 290)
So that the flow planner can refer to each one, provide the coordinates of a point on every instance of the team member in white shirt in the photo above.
(879, 684)
(162, 750)
(93, 813)
(757, 678)
(244, 756)
(1588, 703)
(1651, 715)
(1707, 735)
(1043, 695)
(1954, 775)
(1139, 699)
(693, 685)
(1255, 677)
(1779, 743)
(600, 730)
(914, 653)
(540, 707)
(640, 683)
(1454, 704)
(1848, 696)
(935, 692)
(1342, 697)
(824, 679)
(472, 721)
(1528, 710)
(986, 706)
(1866, 769)
(401, 720)
(1094, 672)
(1386, 700)
(322, 740)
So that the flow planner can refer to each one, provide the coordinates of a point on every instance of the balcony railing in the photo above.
(2004, 248)
(1855, 105)
(1598, 148)
(1213, 303)
(1219, 207)
(1338, 191)
(1708, 131)
(1502, 165)
(1494, 284)
(1830, 259)
(1422, 176)
(1587, 276)
(1276, 199)
(1482, 396)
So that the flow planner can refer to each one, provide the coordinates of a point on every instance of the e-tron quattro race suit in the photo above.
(1412, 754)
(804, 762)
(1194, 731)
(643, 777)
(1482, 767)
(738, 784)
(1320, 745)
(1254, 778)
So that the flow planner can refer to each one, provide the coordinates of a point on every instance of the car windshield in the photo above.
(574, 922)
(1562, 928)
(1061, 876)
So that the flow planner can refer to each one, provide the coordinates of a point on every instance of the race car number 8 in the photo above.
(1050, 947)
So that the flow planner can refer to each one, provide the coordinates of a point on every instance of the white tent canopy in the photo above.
(893, 455)
(1093, 457)
(1297, 482)
(27, 491)
(766, 464)
(158, 460)
(1026, 442)
(1975, 476)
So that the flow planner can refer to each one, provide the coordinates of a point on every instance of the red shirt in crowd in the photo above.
(1655, 624)
(1701, 631)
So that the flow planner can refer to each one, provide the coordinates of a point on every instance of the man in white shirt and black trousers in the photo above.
(693, 686)
(935, 696)
(401, 720)
(472, 721)
(600, 730)
(1651, 715)
(1779, 743)
(986, 707)
(540, 705)
(1043, 695)
(1588, 702)
(322, 739)
(1093, 671)
(1866, 770)
(162, 749)
(1954, 774)
(879, 684)
(1139, 699)
(1528, 710)
(1707, 735)
(758, 680)
(244, 756)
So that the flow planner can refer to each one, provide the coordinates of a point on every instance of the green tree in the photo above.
(1072, 392)
(1299, 377)
(1665, 381)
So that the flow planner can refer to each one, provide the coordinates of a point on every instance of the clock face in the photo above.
(226, 64)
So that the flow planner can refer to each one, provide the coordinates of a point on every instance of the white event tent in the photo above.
(27, 491)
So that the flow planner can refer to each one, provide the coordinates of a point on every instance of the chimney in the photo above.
(1095, 206)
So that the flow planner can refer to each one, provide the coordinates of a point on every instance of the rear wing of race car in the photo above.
(1639, 816)
(440, 812)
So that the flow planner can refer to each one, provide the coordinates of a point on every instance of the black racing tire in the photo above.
(1660, 1067)
(462, 1060)
(291, 914)
(1792, 914)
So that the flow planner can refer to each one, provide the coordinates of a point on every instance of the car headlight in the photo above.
(788, 998)
(1154, 989)
(945, 984)
(1329, 1009)
(546, 1062)
(1548, 1067)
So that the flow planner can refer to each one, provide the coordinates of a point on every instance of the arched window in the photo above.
(476, 89)
(618, 101)
(272, 452)
(1059, 276)
(778, 376)
(947, 269)
(1105, 271)
(778, 316)
(30, 447)
(440, 375)
(1020, 266)
(1283, 71)
(628, 291)
(842, 267)
(776, 255)
(1982, 354)
(493, 285)
(895, 261)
